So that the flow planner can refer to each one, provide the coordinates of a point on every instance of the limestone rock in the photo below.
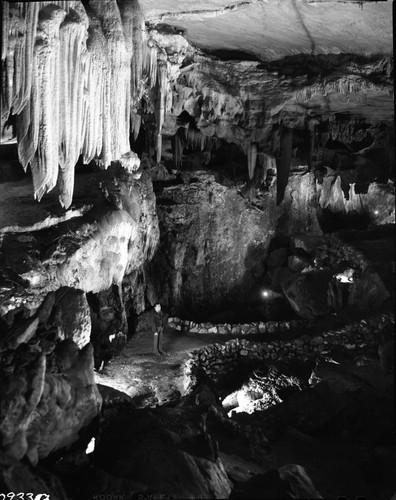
(22, 333)
(46, 398)
(90, 252)
(299, 483)
(307, 294)
(368, 292)
(167, 449)
(72, 316)
(18, 477)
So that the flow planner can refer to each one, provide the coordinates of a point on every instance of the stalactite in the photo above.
(46, 59)
(203, 141)
(351, 84)
(137, 48)
(283, 164)
(25, 45)
(252, 158)
(196, 140)
(133, 26)
(158, 146)
(309, 134)
(136, 121)
(4, 29)
(95, 72)
(268, 163)
(178, 147)
(72, 59)
(160, 105)
(150, 63)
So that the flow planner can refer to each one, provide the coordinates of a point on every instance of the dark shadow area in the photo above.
(332, 221)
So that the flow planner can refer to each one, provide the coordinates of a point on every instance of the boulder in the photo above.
(307, 293)
(18, 477)
(277, 257)
(168, 449)
(368, 292)
(290, 481)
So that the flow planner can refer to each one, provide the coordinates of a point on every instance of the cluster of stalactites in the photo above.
(19, 28)
(346, 85)
(345, 131)
(196, 141)
(70, 78)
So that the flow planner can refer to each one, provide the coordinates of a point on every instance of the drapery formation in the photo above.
(195, 141)
(71, 74)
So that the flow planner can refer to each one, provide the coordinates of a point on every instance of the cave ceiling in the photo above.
(272, 29)
(292, 38)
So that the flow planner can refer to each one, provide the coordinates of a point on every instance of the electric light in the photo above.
(265, 293)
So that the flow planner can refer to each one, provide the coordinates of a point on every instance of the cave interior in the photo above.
(197, 249)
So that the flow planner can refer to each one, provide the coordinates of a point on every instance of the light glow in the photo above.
(346, 276)
(90, 447)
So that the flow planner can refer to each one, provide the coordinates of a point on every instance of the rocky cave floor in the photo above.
(303, 409)
(314, 426)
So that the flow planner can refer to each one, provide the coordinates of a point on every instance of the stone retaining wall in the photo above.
(187, 326)
(217, 360)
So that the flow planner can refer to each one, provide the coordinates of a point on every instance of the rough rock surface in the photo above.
(169, 450)
(48, 390)
(89, 252)
(17, 477)
(207, 259)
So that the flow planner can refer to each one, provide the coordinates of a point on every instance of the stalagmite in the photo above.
(252, 158)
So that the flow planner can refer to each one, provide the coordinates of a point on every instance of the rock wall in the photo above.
(214, 241)
(90, 252)
(48, 392)
(212, 245)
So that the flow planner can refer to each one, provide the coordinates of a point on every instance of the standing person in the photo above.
(160, 322)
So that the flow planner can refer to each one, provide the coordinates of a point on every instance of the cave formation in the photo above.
(234, 163)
